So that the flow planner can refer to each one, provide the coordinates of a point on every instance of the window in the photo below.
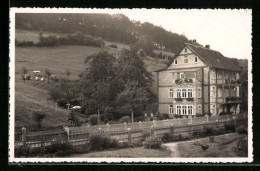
(170, 93)
(185, 49)
(184, 93)
(213, 74)
(178, 110)
(190, 110)
(171, 109)
(175, 62)
(190, 94)
(182, 76)
(219, 75)
(199, 109)
(185, 59)
(178, 93)
(199, 92)
(184, 110)
(196, 59)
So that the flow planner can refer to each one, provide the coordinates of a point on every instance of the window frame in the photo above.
(171, 93)
(184, 93)
(196, 60)
(199, 109)
(199, 92)
(213, 74)
(182, 74)
(184, 59)
(175, 62)
(178, 93)
(184, 109)
(171, 109)
(190, 91)
(190, 110)
(178, 110)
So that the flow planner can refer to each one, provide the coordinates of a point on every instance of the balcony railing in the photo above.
(233, 99)
(181, 98)
(184, 80)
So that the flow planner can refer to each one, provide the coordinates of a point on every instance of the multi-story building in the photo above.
(198, 81)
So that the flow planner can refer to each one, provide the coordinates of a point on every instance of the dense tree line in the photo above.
(115, 27)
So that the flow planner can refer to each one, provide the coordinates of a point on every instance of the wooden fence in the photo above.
(126, 132)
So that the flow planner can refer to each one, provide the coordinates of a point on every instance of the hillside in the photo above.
(33, 95)
(115, 28)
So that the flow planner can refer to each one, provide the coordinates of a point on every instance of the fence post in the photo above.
(190, 119)
(140, 125)
(235, 121)
(168, 123)
(100, 130)
(172, 129)
(207, 117)
(189, 128)
(129, 135)
(125, 126)
(24, 135)
(152, 131)
(67, 130)
(154, 123)
(108, 129)
(179, 121)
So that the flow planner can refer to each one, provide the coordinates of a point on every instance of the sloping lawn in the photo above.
(138, 152)
(223, 146)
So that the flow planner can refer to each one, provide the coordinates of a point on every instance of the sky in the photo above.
(227, 31)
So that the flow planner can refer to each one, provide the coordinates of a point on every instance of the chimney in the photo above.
(207, 46)
(194, 41)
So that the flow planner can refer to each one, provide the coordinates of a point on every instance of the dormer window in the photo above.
(196, 59)
(182, 76)
(175, 62)
(185, 59)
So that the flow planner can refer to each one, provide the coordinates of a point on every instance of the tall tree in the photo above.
(98, 80)
(132, 96)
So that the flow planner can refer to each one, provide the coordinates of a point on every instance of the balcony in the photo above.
(184, 80)
(233, 99)
(187, 98)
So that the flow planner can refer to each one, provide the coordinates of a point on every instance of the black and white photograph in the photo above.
(130, 85)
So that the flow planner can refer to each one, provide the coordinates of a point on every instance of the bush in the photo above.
(152, 142)
(178, 116)
(242, 145)
(124, 119)
(101, 142)
(22, 151)
(200, 115)
(106, 118)
(230, 127)
(145, 135)
(241, 130)
(139, 118)
(24, 43)
(209, 131)
(113, 46)
(93, 119)
(57, 146)
(62, 103)
(167, 137)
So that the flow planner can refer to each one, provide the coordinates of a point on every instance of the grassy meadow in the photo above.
(33, 95)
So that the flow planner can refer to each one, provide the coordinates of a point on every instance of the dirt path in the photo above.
(173, 147)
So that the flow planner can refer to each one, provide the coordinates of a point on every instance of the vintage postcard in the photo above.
(130, 85)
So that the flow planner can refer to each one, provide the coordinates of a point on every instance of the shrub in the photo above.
(139, 118)
(230, 127)
(22, 151)
(93, 119)
(124, 119)
(152, 142)
(62, 103)
(106, 117)
(209, 131)
(241, 130)
(197, 134)
(177, 116)
(167, 137)
(24, 43)
(113, 46)
(200, 115)
(101, 142)
(165, 116)
(145, 135)
(242, 145)
(57, 146)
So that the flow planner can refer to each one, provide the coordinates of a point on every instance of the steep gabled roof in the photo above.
(214, 58)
